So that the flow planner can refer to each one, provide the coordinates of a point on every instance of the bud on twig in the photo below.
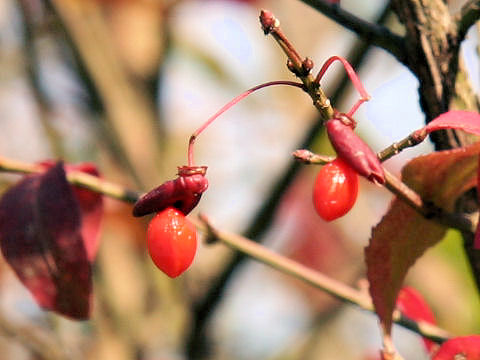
(268, 21)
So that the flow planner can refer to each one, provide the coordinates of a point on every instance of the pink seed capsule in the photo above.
(354, 150)
(182, 193)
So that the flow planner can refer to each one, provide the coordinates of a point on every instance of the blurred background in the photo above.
(123, 83)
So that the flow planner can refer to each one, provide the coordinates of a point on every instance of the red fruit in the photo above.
(171, 241)
(335, 190)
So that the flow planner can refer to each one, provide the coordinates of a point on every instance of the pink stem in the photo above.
(228, 106)
(353, 77)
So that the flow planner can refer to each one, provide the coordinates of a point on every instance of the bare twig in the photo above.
(373, 33)
(311, 277)
(397, 147)
(300, 67)
(75, 178)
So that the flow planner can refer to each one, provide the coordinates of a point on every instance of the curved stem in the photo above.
(353, 77)
(231, 103)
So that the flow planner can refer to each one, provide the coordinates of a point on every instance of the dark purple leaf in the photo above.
(91, 207)
(40, 237)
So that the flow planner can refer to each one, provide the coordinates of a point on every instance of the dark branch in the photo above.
(468, 16)
(372, 33)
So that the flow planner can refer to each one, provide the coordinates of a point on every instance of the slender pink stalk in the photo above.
(228, 106)
(353, 77)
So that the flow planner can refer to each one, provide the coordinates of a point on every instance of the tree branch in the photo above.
(311, 277)
(243, 246)
(433, 41)
(469, 15)
(78, 178)
(372, 33)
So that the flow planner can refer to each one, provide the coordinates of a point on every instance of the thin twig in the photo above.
(373, 33)
(299, 66)
(311, 277)
(75, 178)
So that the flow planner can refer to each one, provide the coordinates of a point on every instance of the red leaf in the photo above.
(403, 235)
(456, 119)
(40, 237)
(412, 304)
(464, 348)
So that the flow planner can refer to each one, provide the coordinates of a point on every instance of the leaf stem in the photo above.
(227, 106)
(353, 78)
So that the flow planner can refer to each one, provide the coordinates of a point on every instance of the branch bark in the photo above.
(468, 16)
(433, 37)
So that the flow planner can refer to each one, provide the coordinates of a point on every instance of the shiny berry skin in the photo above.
(335, 190)
(171, 241)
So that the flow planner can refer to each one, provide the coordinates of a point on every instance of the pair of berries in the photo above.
(172, 239)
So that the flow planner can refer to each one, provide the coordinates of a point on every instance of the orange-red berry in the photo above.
(335, 190)
(171, 241)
